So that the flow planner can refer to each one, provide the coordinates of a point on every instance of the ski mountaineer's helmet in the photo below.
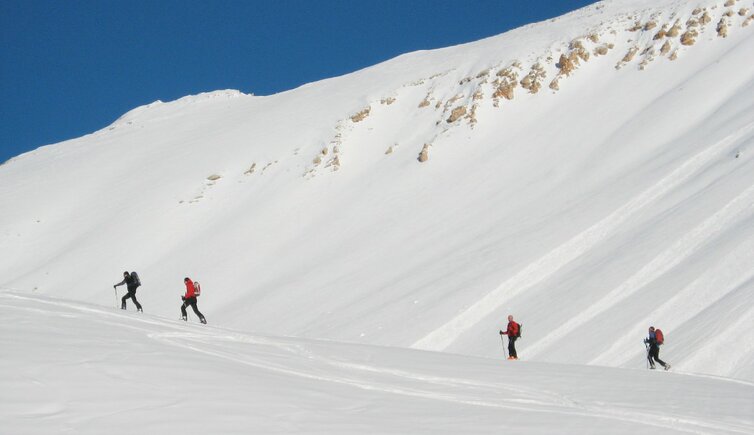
(125, 273)
(187, 279)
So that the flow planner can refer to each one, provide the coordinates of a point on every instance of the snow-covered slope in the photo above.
(122, 373)
(591, 175)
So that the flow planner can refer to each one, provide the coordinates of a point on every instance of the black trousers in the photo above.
(512, 346)
(192, 303)
(654, 354)
(131, 294)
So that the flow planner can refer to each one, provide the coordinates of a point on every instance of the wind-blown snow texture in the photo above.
(591, 175)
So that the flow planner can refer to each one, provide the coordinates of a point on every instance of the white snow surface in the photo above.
(331, 259)
(87, 369)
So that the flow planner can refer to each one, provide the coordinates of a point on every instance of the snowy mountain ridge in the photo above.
(590, 174)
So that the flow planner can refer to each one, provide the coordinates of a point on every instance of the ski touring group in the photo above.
(132, 282)
(654, 340)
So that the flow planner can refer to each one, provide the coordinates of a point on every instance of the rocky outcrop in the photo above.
(361, 115)
(456, 114)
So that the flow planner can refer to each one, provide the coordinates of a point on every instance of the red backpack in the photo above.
(659, 337)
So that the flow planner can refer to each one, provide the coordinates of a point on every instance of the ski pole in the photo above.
(116, 296)
(503, 341)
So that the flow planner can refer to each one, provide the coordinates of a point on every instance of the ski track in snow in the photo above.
(541, 405)
(213, 342)
(577, 246)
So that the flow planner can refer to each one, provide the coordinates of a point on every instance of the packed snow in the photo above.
(361, 240)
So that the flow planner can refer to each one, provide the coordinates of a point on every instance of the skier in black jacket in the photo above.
(132, 283)
(653, 343)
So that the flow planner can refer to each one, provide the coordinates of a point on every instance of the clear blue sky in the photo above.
(71, 67)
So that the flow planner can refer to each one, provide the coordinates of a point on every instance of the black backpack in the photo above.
(520, 325)
(135, 278)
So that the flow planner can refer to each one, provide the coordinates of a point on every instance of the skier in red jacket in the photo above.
(190, 299)
(513, 333)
